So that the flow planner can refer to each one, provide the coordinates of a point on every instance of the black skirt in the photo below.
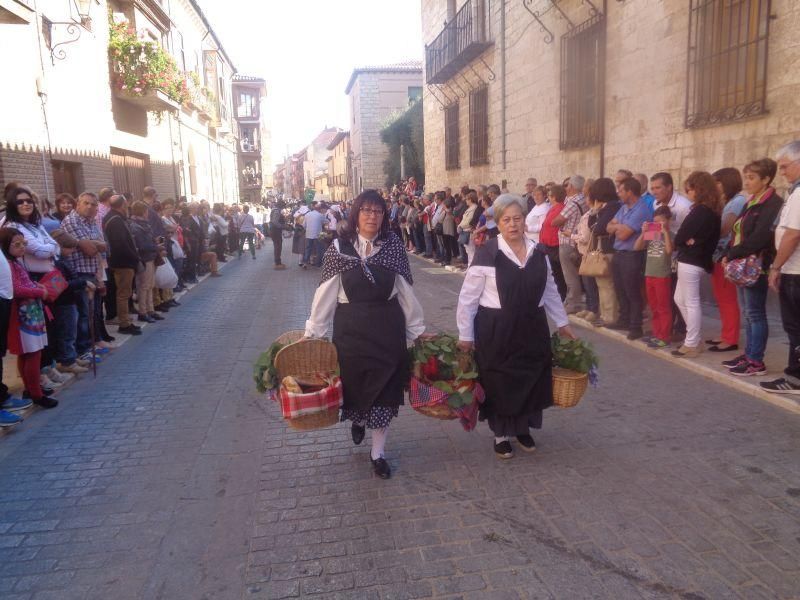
(512, 346)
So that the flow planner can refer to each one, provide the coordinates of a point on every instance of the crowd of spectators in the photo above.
(70, 268)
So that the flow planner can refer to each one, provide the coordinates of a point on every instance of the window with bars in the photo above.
(479, 127)
(582, 84)
(451, 135)
(727, 66)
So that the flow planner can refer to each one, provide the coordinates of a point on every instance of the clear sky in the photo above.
(307, 50)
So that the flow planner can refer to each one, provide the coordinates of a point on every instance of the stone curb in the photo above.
(718, 376)
(740, 385)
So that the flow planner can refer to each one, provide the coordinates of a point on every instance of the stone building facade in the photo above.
(339, 167)
(548, 88)
(70, 125)
(375, 93)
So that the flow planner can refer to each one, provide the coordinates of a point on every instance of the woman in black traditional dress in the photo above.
(366, 291)
(506, 298)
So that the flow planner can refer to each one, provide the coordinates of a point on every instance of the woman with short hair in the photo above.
(754, 235)
(366, 292)
(505, 301)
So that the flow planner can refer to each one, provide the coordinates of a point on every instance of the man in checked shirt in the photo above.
(85, 261)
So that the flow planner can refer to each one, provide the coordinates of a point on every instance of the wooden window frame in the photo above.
(479, 127)
(727, 57)
(452, 136)
(582, 93)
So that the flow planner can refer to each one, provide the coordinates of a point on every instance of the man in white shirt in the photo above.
(784, 274)
(314, 223)
(247, 231)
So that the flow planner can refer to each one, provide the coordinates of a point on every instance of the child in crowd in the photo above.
(65, 310)
(658, 276)
(27, 334)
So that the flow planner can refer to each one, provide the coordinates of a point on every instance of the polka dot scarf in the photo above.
(391, 256)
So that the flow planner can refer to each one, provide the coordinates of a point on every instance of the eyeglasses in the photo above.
(21, 201)
(20, 244)
(375, 212)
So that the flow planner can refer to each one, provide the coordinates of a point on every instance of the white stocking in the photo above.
(378, 442)
(499, 440)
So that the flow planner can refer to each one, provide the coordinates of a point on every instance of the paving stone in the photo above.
(192, 486)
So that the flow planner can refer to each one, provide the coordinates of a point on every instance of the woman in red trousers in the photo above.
(729, 183)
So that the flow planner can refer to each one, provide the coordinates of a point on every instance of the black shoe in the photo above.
(131, 330)
(618, 326)
(172, 303)
(526, 442)
(635, 334)
(46, 401)
(381, 468)
(145, 319)
(358, 432)
(719, 348)
(155, 316)
(108, 338)
(504, 450)
(161, 308)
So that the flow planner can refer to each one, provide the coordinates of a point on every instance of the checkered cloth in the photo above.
(298, 405)
(421, 395)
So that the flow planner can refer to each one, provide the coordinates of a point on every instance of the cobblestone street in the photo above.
(171, 478)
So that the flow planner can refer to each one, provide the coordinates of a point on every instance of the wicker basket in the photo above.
(290, 337)
(304, 360)
(568, 387)
(437, 411)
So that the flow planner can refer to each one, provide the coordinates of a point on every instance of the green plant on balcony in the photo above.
(139, 67)
(200, 96)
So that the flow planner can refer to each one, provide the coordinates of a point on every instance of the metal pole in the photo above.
(402, 162)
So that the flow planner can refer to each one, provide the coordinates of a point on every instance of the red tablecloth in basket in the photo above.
(297, 405)
(421, 394)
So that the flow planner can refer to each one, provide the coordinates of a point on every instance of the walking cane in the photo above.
(91, 331)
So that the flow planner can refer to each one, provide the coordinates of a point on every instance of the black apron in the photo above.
(369, 333)
(513, 349)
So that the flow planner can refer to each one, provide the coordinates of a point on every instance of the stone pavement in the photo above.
(171, 478)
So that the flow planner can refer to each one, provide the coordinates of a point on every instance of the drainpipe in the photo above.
(602, 75)
(504, 150)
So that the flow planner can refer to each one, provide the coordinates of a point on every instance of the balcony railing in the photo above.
(461, 41)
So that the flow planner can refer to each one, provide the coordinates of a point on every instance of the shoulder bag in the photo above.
(744, 272)
(595, 263)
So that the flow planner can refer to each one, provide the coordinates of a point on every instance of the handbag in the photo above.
(463, 238)
(595, 263)
(55, 282)
(479, 239)
(439, 229)
(744, 272)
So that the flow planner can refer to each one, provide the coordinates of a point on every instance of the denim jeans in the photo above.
(66, 322)
(83, 341)
(753, 301)
(628, 269)
(428, 241)
(592, 294)
(312, 245)
(790, 316)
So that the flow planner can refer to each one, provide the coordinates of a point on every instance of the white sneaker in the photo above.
(55, 375)
(45, 381)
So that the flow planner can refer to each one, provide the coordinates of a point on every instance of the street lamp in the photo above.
(80, 19)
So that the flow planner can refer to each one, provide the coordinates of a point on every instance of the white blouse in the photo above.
(480, 289)
(534, 221)
(331, 292)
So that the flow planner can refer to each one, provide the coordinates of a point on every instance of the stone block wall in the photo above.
(646, 78)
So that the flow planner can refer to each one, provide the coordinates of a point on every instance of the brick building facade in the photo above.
(547, 88)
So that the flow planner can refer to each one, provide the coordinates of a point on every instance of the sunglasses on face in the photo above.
(21, 201)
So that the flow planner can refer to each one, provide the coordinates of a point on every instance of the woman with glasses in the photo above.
(22, 215)
(505, 301)
(366, 292)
